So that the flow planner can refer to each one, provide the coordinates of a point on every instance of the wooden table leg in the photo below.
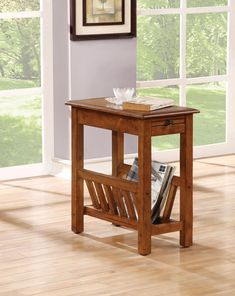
(77, 182)
(117, 154)
(186, 174)
(144, 195)
(117, 151)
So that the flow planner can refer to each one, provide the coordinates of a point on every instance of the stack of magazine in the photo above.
(161, 177)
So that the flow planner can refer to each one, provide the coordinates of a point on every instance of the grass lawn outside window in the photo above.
(209, 125)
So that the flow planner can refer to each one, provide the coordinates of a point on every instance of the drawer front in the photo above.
(168, 121)
(168, 126)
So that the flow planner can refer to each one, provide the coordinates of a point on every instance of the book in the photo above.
(161, 177)
(162, 197)
(147, 104)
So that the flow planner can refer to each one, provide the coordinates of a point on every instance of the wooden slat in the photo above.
(123, 221)
(169, 203)
(110, 199)
(123, 169)
(109, 180)
(167, 227)
(129, 204)
(101, 196)
(134, 199)
(93, 195)
(119, 201)
(176, 180)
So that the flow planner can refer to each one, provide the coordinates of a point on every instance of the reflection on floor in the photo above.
(39, 254)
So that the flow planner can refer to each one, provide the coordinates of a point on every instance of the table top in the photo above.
(101, 105)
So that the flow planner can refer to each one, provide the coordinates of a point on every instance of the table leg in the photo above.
(117, 151)
(144, 195)
(117, 154)
(186, 174)
(77, 182)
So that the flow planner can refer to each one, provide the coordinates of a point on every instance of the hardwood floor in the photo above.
(39, 255)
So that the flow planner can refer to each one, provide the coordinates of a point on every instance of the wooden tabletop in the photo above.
(101, 105)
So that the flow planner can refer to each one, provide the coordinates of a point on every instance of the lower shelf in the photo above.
(170, 226)
(116, 200)
(123, 221)
(163, 227)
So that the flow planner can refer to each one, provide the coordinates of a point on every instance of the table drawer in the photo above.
(168, 126)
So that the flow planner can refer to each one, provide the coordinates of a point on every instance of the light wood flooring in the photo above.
(39, 255)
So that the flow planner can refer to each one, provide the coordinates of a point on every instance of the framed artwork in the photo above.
(102, 19)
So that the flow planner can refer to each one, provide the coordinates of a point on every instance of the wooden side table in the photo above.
(115, 199)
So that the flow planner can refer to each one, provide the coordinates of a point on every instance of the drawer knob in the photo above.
(169, 121)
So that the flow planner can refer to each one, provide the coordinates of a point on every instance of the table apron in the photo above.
(111, 122)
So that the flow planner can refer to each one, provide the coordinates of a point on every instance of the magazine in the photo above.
(160, 202)
(161, 177)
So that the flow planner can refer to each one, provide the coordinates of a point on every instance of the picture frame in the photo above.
(102, 19)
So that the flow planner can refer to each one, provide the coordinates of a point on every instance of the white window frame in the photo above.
(183, 81)
(46, 92)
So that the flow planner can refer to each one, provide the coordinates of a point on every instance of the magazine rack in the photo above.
(113, 198)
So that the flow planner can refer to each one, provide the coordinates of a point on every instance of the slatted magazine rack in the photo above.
(124, 202)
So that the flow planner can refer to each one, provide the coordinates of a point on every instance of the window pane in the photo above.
(209, 124)
(20, 130)
(158, 3)
(158, 47)
(19, 5)
(202, 3)
(19, 53)
(206, 44)
(171, 92)
(166, 142)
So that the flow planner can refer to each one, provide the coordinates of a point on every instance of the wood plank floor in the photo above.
(39, 255)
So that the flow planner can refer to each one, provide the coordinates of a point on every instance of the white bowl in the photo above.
(123, 94)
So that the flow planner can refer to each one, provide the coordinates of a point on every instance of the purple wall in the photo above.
(88, 69)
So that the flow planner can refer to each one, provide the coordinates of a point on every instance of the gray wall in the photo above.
(61, 79)
(89, 69)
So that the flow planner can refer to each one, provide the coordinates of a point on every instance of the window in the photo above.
(185, 53)
(22, 111)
